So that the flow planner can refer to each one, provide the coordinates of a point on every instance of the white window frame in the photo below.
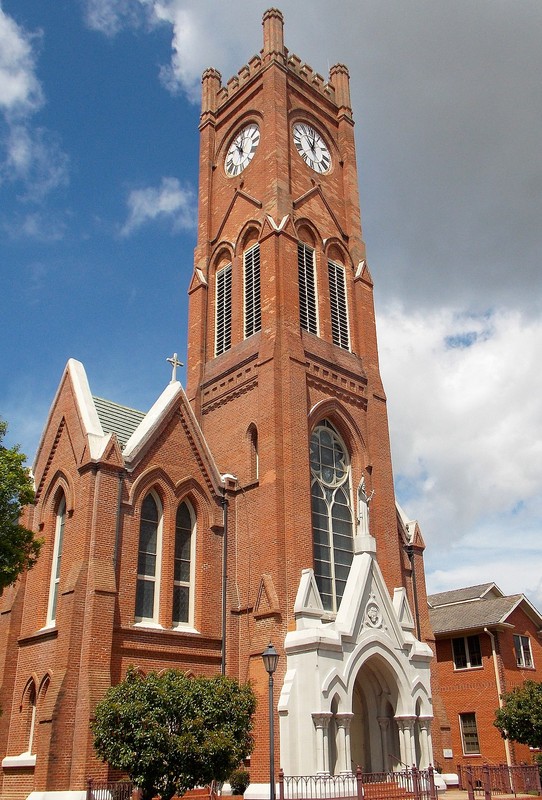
(156, 578)
(462, 720)
(52, 603)
(223, 309)
(252, 293)
(191, 583)
(338, 299)
(308, 294)
(468, 654)
(522, 646)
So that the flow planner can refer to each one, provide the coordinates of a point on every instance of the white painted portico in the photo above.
(357, 685)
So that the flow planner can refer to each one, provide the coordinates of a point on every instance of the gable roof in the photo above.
(463, 595)
(475, 608)
(118, 419)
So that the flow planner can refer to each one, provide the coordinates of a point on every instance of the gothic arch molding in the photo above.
(60, 483)
(190, 491)
(303, 115)
(249, 235)
(152, 478)
(381, 652)
(345, 424)
(221, 255)
(312, 237)
(251, 115)
(336, 251)
(30, 685)
(422, 700)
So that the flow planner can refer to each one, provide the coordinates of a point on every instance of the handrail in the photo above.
(392, 755)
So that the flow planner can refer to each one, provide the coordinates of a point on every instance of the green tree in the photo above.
(19, 548)
(170, 732)
(520, 718)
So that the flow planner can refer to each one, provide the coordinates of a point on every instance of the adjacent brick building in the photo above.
(486, 644)
(259, 505)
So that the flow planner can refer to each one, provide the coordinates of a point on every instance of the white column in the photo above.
(344, 758)
(384, 723)
(406, 726)
(321, 723)
(424, 727)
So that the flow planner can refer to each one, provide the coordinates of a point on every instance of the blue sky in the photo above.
(98, 181)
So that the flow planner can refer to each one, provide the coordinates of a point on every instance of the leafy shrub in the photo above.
(239, 781)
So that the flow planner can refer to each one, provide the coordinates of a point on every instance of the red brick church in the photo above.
(256, 505)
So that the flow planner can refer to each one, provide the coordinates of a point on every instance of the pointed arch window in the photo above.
(251, 271)
(254, 456)
(28, 709)
(339, 308)
(223, 310)
(183, 570)
(148, 560)
(308, 317)
(57, 561)
(332, 519)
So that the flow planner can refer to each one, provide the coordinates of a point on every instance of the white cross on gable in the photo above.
(174, 361)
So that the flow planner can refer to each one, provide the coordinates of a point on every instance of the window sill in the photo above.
(14, 762)
(184, 629)
(467, 669)
(155, 626)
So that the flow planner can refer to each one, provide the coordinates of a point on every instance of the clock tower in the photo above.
(284, 380)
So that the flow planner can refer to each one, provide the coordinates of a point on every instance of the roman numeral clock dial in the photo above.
(311, 147)
(242, 149)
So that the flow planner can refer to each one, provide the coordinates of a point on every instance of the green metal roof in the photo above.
(118, 419)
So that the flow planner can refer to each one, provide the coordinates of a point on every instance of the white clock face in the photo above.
(311, 147)
(241, 151)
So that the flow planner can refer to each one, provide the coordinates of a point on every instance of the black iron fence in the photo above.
(407, 784)
(109, 790)
(488, 780)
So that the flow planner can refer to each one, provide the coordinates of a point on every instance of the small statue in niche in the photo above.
(363, 508)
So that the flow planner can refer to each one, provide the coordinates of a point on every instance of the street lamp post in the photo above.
(270, 659)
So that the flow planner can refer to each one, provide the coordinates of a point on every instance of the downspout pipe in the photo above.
(118, 521)
(499, 688)
(224, 578)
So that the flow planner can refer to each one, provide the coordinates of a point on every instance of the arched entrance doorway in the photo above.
(374, 735)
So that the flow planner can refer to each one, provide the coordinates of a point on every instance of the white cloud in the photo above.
(41, 226)
(198, 31)
(111, 16)
(34, 156)
(31, 155)
(20, 89)
(170, 201)
(465, 418)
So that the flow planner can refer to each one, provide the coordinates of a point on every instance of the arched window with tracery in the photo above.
(58, 545)
(332, 519)
(148, 560)
(183, 570)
